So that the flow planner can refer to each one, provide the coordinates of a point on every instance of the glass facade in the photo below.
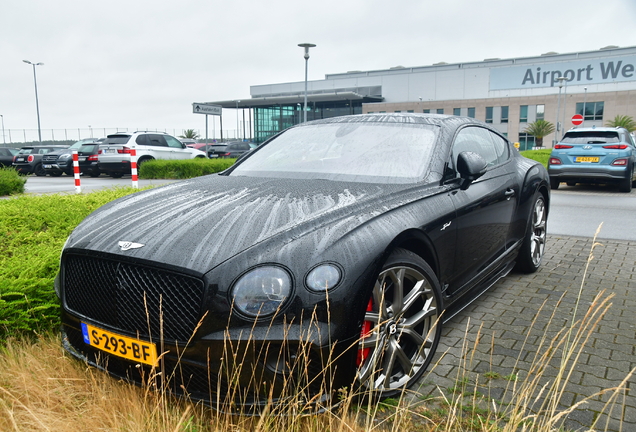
(504, 114)
(488, 114)
(523, 114)
(540, 112)
(270, 120)
(593, 110)
(526, 142)
(471, 112)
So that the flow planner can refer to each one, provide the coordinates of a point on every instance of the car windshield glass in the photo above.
(116, 139)
(591, 137)
(360, 152)
(87, 148)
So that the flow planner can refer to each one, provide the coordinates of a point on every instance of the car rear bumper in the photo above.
(114, 167)
(582, 174)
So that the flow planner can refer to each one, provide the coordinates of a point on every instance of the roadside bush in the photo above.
(10, 182)
(541, 156)
(183, 169)
(32, 232)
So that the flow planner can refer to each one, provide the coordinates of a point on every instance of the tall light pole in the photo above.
(306, 46)
(37, 105)
(237, 119)
(584, 102)
(558, 116)
(4, 140)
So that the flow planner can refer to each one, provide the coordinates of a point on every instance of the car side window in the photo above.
(142, 140)
(157, 141)
(501, 147)
(476, 140)
(173, 142)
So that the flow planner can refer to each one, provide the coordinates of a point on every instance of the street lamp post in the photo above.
(237, 119)
(4, 140)
(584, 102)
(558, 116)
(306, 46)
(37, 106)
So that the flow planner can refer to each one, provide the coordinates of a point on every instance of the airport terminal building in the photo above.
(507, 93)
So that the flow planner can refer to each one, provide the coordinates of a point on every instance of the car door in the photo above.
(177, 149)
(484, 209)
(158, 146)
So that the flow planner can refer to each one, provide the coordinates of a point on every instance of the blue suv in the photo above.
(594, 155)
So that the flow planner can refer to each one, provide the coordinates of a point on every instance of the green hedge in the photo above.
(538, 155)
(183, 169)
(11, 182)
(32, 232)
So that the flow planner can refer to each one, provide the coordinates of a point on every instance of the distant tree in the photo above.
(539, 129)
(622, 121)
(190, 133)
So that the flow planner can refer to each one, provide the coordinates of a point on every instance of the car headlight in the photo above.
(323, 277)
(64, 156)
(261, 291)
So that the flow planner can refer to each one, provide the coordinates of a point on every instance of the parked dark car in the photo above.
(594, 155)
(6, 156)
(232, 149)
(29, 158)
(329, 257)
(59, 162)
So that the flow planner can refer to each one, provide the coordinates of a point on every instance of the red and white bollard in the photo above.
(133, 168)
(76, 172)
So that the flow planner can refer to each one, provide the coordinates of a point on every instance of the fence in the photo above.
(31, 135)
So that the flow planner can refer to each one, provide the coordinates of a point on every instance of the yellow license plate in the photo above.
(586, 159)
(121, 346)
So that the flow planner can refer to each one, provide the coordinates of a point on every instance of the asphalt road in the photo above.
(66, 184)
(579, 210)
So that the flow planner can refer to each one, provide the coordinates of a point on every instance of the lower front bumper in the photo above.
(231, 375)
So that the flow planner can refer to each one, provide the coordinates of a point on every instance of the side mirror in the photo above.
(470, 166)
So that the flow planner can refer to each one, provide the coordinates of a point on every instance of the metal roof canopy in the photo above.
(295, 99)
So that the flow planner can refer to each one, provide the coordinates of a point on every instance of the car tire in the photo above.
(625, 185)
(199, 157)
(571, 183)
(554, 183)
(401, 327)
(116, 175)
(38, 170)
(533, 246)
(95, 173)
(143, 161)
(56, 173)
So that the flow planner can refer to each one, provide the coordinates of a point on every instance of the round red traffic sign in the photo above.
(577, 119)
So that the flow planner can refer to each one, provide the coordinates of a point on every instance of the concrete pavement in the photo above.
(514, 330)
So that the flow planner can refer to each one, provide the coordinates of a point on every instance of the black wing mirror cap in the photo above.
(470, 166)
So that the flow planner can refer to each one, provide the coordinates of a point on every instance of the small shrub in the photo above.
(541, 156)
(10, 182)
(183, 169)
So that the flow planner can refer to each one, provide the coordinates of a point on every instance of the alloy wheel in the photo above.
(400, 330)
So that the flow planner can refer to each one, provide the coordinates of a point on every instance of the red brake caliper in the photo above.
(364, 333)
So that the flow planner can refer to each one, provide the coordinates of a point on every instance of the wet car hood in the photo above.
(200, 223)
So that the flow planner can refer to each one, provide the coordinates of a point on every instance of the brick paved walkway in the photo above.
(509, 341)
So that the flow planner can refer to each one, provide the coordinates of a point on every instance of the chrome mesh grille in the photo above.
(134, 299)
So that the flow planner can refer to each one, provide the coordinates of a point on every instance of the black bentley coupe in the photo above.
(329, 257)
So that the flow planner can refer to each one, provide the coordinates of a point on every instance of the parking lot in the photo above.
(509, 340)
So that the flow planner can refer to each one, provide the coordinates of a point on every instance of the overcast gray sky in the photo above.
(139, 64)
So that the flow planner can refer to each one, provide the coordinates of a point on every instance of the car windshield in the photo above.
(87, 148)
(116, 139)
(591, 137)
(360, 152)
